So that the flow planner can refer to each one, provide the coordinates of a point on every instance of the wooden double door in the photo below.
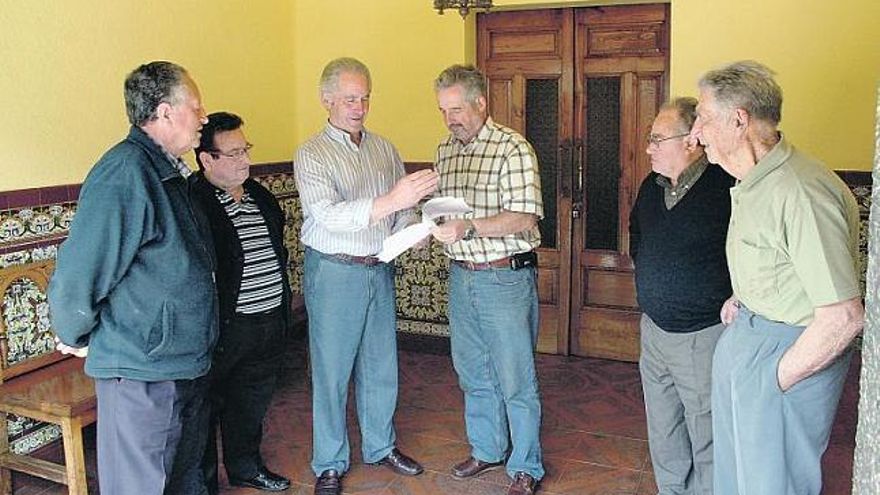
(583, 85)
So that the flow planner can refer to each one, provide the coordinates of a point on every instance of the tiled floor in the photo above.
(593, 433)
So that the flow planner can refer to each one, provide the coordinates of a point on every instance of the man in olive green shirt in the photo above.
(792, 243)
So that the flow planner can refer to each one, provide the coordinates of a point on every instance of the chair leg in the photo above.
(5, 474)
(74, 457)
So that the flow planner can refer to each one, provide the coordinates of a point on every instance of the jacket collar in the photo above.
(158, 159)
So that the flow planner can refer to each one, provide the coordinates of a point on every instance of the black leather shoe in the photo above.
(400, 463)
(263, 480)
(328, 483)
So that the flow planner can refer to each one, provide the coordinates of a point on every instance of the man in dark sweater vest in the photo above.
(678, 229)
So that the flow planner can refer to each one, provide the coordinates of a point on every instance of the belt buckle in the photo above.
(345, 258)
(371, 261)
(470, 265)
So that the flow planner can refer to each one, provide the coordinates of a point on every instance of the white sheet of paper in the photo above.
(447, 205)
(397, 243)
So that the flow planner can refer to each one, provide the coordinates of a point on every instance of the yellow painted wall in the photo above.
(404, 43)
(63, 62)
(826, 56)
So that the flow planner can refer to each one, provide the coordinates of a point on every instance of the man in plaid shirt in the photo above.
(493, 301)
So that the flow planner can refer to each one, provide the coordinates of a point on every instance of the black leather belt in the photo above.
(470, 265)
(515, 262)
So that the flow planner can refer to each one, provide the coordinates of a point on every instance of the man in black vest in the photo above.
(247, 225)
(678, 229)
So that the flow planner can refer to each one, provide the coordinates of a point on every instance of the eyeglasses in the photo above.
(236, 154)
(655, 140)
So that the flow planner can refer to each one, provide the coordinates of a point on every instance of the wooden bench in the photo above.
(49, 387)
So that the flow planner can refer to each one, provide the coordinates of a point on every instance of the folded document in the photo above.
(396, 244)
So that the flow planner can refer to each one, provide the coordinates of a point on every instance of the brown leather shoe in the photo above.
(329, 483)
(523, 484)
(401, 463)
(472, 467)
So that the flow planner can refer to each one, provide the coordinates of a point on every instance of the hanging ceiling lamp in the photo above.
(463, 6)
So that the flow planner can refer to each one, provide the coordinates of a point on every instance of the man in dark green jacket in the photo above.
(134, 285)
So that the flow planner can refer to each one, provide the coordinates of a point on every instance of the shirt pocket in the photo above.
(484, 182)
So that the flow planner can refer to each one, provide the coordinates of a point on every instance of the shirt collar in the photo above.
(770, 162)
(486, 130)
(688, 176)
(223, 193)
(342, 136)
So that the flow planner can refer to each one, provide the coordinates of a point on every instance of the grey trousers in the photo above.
(768, 442)
(676, 371)
(151, 436)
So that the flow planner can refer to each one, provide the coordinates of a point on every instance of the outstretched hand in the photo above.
(409, 190)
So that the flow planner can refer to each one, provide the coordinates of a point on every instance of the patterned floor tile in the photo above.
(647, 485)
(607, 450)
(434, 453)
(591, 479)
(593, 434)
(447, 424)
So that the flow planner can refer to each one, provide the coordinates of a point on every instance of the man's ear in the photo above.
(326, 101)
(163, 111)
(741, 119)
(208, 161)
(481, 104)
(691, 143)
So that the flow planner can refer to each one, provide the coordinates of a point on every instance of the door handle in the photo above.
(577, 169)
(577, 178)
(564, 158)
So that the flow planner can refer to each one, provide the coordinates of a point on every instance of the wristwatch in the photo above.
(470, 232)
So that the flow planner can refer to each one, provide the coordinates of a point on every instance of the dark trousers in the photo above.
(243, 377)
(151, 436)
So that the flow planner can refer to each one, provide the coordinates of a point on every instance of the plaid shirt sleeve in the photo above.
(520, 180)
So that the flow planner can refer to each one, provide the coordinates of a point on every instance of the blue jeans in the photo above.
(493, 317)
(352, 328)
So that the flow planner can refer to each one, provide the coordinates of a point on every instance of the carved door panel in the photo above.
(583, 86)
(526, 57)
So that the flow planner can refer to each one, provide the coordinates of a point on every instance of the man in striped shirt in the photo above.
(354, 194)
(493, 301)
(247, 225)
